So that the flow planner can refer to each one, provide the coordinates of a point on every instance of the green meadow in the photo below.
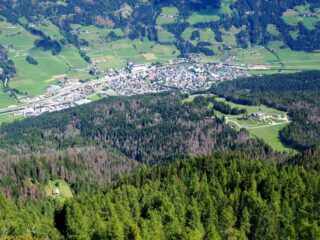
(33, 79)
(6, 100)
(63, 186)
(167, 15)
(302, 14)
(211, 14)
(264, 130)
(9, 119)
(267, 130)
(117, 53)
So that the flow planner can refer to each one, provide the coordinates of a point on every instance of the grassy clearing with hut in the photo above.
(64, 190)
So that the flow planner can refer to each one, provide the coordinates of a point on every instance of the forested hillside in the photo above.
(200, 26)
(139, 18)
(110, 137)
(215, 197)
(296, 93)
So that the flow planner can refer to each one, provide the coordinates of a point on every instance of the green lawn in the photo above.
(49, 29)
(207, 35)
(260, 129)
(33, 79)
(272, 29)
(9, 119)
(168, 15)
(166, 37)
(95, 97)
(63, 186)
(198, 17)
(302, 14)
(271, 136)
(296, 60)
(6, 100)
(253, 109)
(117, 54)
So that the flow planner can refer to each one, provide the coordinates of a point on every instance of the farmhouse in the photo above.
(277, 116)
(260, 116)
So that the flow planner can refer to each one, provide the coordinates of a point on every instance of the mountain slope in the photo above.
(215, 197)
(89, 145)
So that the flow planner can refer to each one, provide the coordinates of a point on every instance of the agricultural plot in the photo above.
(48, 28)
(256, 55)
(6, 100)
(259, 60)
(296, 60)
(211, 14)
(117, 53)
(167, 15)
(302, 14)
(206, 15)
(33, 79)
(207, 35)
(9, 119)
(228, 36)
(166, 37)
(273, 30)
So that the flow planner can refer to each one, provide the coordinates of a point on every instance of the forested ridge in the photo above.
(296, 93)
(215, 197)
(113, 136)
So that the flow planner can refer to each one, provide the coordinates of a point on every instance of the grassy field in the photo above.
(116, 54)
(33, 79)
(288, 60)
(206, 15)
(211, 14)
(167, 15)
(5, 99)
(271, 136)
(261, 129)
(49, 29)
(9, 119)
(63, 186)
(302, 14)
(268, 130)
(95, 97)
(166, 37)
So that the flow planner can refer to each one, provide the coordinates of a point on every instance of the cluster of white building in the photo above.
(134, 79)
(184, 77)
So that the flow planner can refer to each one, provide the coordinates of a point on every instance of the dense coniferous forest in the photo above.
(296, 93)
(214, 197)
